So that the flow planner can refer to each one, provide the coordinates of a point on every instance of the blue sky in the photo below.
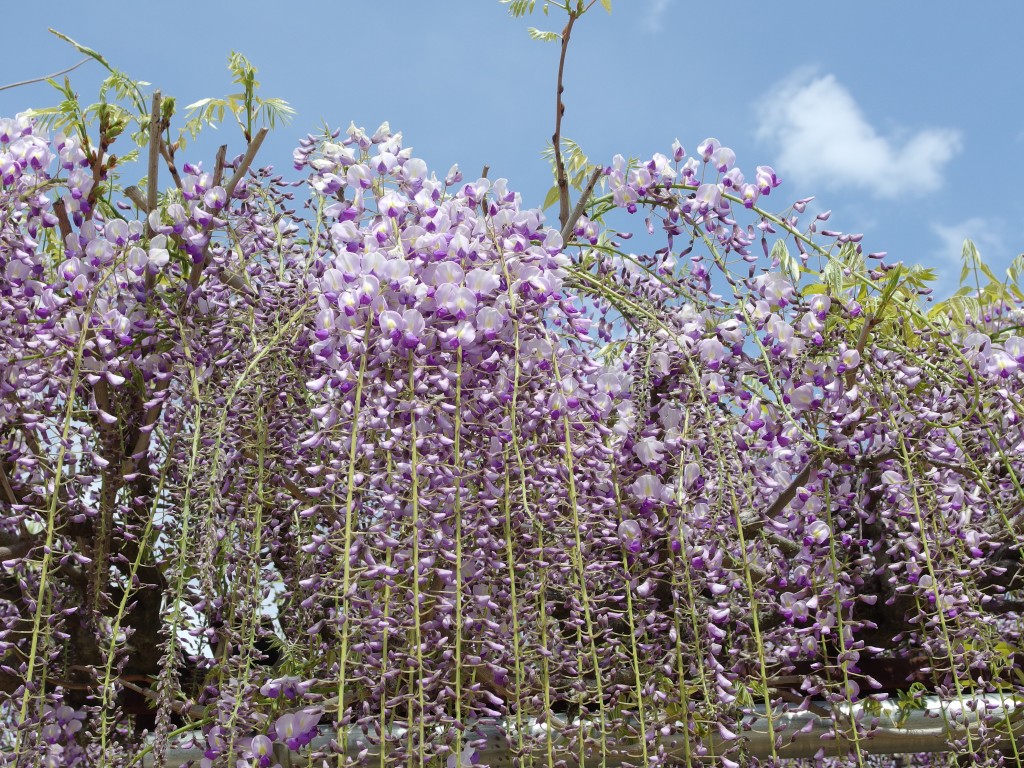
(907, 124)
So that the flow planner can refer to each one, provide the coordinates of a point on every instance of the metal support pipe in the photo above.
(929, 728)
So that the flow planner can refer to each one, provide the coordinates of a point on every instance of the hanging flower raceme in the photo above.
(485, 477)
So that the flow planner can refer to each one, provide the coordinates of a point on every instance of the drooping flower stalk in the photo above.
(694, 444)
(839, 606)
(526, 509)
(146, 542)
(36, 648)
(457, 509)
(631, 626)
(935, 595)
(343, 606)
(577, 560)
(417, 681)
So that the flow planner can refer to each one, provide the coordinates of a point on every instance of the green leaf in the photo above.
(607, 5)
(892, 283)
(987, 272)
(920, 276)
(547, 37)
(116, 119)
(277, 110)
(43, 111)
(789, 265)
(812, 289)
(971, 260)
(551, 197)
(970, 254)
(833, 276)
(1016, 269)
(82, 49)
(198, 104)
(518, 8)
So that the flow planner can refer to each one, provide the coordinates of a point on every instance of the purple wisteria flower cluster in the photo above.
(294, 730)
(388, 454)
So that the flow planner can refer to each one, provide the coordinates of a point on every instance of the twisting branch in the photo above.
(581, 205)
(243, 167)
(785, 497)
(44, 77)
(169, 160)
(6, 485)
(19, 548)
(183, 708)
(149, 422)
(154, 153)
(561, 177)
(153, 170)
(63, 222)
(134, 194)
(247, 158)
(218, 165)
(153, 413)
(869, 323)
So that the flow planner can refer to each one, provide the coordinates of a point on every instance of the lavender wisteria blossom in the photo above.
(384, 453)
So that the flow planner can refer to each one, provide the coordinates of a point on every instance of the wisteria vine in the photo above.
(384, 452)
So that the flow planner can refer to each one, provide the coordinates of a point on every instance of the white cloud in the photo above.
(984, 233)
(655, 11)
(825, 140)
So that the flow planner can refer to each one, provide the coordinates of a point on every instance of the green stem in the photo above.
(51, 512)
(415, 491)
(350, 492)
(458, 552)
(930, 567)
(577, 558)
(634, 654)
(145, 546)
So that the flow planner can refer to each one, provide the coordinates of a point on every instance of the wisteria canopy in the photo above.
(364, 464)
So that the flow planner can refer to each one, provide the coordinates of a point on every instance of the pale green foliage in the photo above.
(547, 37)
(893, 301)
(1016, 269)
(789, 265)
(577, 168)
(61, 115)
(979, 288)
(837, 276)
(576, 165)
(245, 106)
(69, 114)
(123, 86)
(519, 8)
(122, 104)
